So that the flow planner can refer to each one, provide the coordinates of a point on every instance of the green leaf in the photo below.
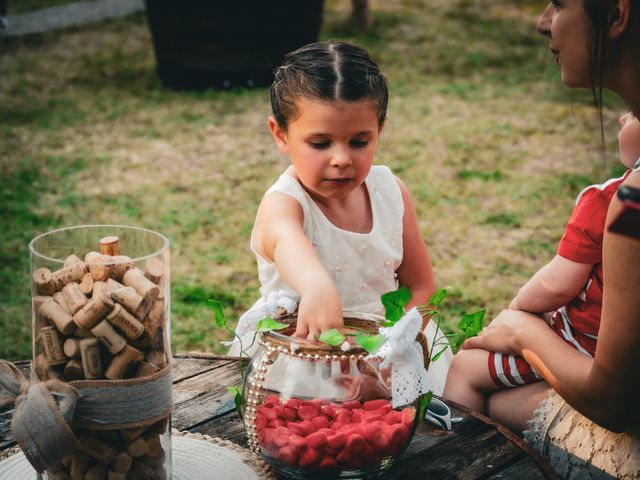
(423, 404)
(437, 298)
(371, 343)
(218, 313)
(237, 398)
(471, 323)
(394, 303)
(267, 324)
(332, 337)
(437, 355)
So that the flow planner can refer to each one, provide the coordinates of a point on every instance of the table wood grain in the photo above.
(477, 448)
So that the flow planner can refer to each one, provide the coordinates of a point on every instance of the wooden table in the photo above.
(477, 448)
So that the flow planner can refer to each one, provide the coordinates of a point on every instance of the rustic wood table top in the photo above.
(477, 448)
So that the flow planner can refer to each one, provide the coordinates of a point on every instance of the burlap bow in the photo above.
(45, 411)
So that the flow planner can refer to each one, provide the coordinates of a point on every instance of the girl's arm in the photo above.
(553, 286)
(280, 238)
(605, 388)
(415, 271)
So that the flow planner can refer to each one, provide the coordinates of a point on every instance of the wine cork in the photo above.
(122, 263)
(112, 475)
(141, 471)
(52, 346)
(112, 285)
(130, 434)
(82, 332)
(145, 369)
(75, 297)
(43, 281)
(138, 447)
(37, 301)
(104, 332)
(97, 472)
(86, 284)
(121, 462)
(79, 464)
(146, 288)
(157, 358)
(58, 316)
(153, 269)
(100, 266)
(127, 297)
(122, 361)
(90, 355)
(97, 448)
(125, 322)
(110, 245)
(72, 347)
(60, 300)
(73, 371)
(154, 322)
(155, 450)
(160, 426)
(71, 260)
(89, 315)
(72, 273)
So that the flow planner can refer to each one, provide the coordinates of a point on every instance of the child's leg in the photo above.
(469, 379)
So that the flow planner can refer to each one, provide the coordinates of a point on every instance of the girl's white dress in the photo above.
(362, 265)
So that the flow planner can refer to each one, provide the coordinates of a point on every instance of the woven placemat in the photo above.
(194, 456)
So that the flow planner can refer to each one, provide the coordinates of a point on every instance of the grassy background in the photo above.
(491, 145)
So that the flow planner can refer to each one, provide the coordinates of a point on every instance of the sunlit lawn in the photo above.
(480, 128)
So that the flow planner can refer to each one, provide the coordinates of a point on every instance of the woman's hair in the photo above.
(327, 71)
(601, 12)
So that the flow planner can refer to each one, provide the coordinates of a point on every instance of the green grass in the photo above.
(491, 145)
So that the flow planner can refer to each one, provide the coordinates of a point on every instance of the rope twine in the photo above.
(45, 412)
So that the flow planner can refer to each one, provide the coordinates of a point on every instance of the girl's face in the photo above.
(331, 145)
(567, 25)
(629, 139)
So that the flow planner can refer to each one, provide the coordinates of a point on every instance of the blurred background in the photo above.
(492, 146)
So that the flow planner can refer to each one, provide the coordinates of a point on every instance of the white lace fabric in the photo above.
(579, 449)
(409, 378)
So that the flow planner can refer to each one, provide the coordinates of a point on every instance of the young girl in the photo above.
(570, 286)
(334, 230)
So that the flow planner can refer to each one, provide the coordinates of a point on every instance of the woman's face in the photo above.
(567, 25)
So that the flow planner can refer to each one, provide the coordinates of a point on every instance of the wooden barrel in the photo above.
(221, 44)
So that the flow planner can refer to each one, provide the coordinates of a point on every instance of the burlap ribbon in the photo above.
(45, 411)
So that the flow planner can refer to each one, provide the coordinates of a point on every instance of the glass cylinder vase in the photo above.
(101, 324)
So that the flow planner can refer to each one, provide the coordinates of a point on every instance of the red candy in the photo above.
(375, 404)
(328, 437)
(307, 412)
(356, 443)
(317, 440)
(287, 455)
(309, 457)
(337, 441)
(320, 421)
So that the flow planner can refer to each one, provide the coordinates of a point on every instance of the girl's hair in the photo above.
(327, 71)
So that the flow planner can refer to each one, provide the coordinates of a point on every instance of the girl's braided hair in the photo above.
(327, 71)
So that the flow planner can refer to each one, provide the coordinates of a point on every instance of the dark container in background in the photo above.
(221, 44)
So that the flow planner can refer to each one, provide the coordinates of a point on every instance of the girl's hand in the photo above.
(318, 311)
(505, 332)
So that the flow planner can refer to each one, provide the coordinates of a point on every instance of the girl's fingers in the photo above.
(301, 330)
